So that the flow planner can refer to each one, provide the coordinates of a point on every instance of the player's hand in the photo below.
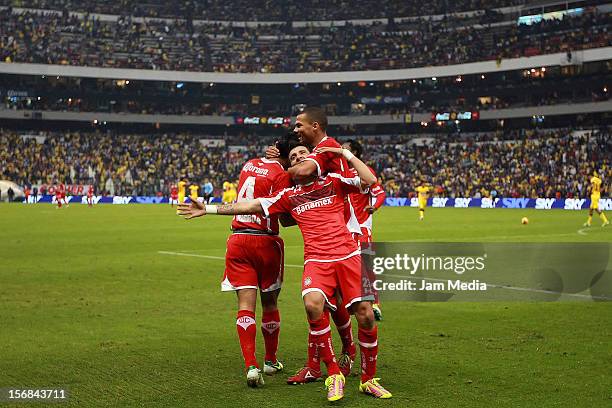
(191, 210)
(272, 152)
(327, 149)
(370, 209)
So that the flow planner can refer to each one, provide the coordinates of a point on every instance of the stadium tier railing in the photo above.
(483, 67)
(101, 117)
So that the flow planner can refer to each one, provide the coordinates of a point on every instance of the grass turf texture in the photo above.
(88, 303)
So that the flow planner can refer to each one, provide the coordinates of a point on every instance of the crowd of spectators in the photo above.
(512, 164)
(181, 45)
(265, 10)
(555, 164)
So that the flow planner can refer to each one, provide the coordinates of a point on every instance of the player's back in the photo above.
(423, 191)
(181, 187)
(595, 185)
(259, 178)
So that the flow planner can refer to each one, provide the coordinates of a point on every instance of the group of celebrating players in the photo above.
(312, 181)
(323, 187)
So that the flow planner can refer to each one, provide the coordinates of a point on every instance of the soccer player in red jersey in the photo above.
(173, 195)
(26, 193)
(90, 191)
(332, 261)
(60, 194)
(311, 129)
(365, 205)
(254, 261)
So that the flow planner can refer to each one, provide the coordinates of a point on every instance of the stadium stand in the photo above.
(64, 39)
(265, 10)
(548, 163)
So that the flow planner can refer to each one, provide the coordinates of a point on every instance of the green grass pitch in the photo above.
(89, 301)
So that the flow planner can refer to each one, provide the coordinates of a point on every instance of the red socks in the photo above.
(342, 319)
(270, 328)
(320, 345)
(247, 330)
(368, 345)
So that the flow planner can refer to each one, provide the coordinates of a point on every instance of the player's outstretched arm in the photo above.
(363, 171)
(303, 171)
(196, 209)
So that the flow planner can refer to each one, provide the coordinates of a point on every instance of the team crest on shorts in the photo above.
(307, 281)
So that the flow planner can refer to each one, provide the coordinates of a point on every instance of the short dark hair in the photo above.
(294, 143)
(355, 147)
(284, 144)
(316, 114)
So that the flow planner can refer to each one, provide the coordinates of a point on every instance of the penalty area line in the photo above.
(212, 257)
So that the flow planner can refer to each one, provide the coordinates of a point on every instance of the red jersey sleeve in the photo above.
(276, 203)
(378, 194)
(348, 185)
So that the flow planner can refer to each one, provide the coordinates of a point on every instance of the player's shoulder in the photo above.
(273, 165)
(329, 142)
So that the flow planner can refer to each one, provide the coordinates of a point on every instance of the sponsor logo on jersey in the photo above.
(254, 169)
(322, 202)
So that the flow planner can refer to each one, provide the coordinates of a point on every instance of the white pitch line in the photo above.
(581, 231)
(552, 292)
(212, 257)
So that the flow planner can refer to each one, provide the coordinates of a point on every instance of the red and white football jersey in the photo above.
(332, 163)
(375, 198)
(259, 178)
(329, 162)
(318, 209)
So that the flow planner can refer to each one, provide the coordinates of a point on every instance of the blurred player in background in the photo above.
(423, 192)
(595, 196)
(207, 191)
(26, 193)
(90, 191)
(229, 192)
(60, 195)
(182, 190)
(365, 205)
(173, 195)
(193, 192)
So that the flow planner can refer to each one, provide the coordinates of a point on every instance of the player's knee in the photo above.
(314, 304)
(364, 314)
(269, 301)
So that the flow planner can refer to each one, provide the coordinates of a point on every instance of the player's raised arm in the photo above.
(363, 171)
(197, 209)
